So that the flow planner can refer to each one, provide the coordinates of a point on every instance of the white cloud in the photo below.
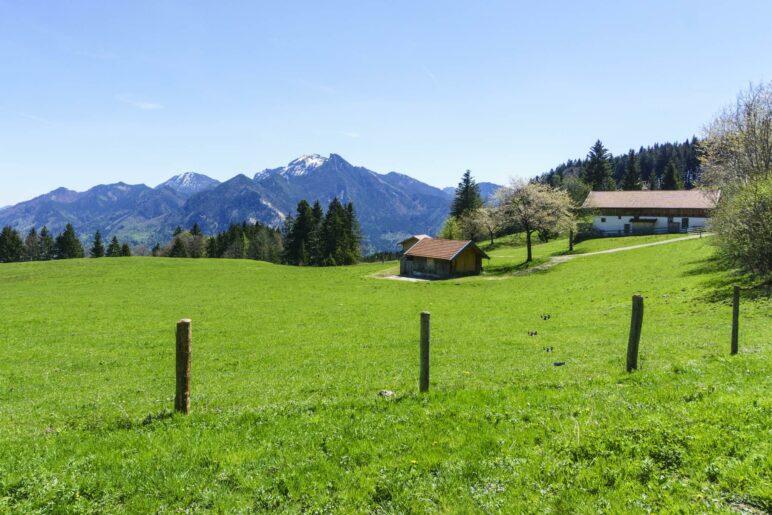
(133, 101)
(350, 134)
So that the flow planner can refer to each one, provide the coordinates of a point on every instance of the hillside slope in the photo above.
(288, 363)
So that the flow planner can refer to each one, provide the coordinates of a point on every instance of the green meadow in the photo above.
(288, 363)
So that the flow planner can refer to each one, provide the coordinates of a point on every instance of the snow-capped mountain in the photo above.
(189, 183)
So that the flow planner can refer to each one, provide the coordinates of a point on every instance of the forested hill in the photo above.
(652, 162)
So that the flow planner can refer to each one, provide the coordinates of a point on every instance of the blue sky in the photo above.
(100, 92)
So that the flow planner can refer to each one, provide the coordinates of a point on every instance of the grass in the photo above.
(288, 363)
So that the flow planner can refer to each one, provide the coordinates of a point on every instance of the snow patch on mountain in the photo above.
(189, 183)
(296, 168)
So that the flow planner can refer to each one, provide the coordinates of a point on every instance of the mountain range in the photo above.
(389, 206)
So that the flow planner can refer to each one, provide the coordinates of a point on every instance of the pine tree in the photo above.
(11, 245)
(125, 250)
(177, 231)
(32, 246)
(67, 244)
(597, 170)
(671, 180)
(98, 249)
(353, 235)
(156, 250)
(467, 196)
(334, 235)
(632, 177)
(47, 245)
(178, 249)
(315, 237)
(114, 248)
(195, 230)
(299, 235)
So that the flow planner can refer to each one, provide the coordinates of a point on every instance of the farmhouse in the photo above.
(409, 242)
(440, 259)
(650, 212)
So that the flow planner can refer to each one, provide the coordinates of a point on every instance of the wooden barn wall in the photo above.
(466, 262)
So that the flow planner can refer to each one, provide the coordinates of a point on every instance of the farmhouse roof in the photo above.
(684, 199)
(445, 250)
(418, 237)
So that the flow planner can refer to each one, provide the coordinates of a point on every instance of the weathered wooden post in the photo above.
(423, 383)
(184, 339)
(735, 320)
(636, 321)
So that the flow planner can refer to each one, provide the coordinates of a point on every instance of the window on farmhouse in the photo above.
(602, 220)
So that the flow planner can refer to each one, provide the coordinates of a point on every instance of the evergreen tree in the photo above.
(67, 244)
(32, 246)
(297, 251)
(632, 176)
(98, 249)
(597, 170)
(195, 230)
(156, 250)
(467, 196)
(353, 235)
(125, 250)
(178, 249)
(114, 248)
(315, 238)
(47, 245)
(334, 248)
(672, 180)
(211, 247)
(177, 231)
(11, 245)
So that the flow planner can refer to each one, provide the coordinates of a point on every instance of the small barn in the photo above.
(441, 259)
(409, 242)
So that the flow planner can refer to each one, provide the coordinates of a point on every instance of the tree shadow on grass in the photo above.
(722, 278)
(509, 269)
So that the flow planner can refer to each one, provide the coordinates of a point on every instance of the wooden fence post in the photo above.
(184, 339)
(423, 384)
(735, 320)
(636, 321)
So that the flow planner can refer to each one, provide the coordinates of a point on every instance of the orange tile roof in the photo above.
(685, 199)
(440, 249)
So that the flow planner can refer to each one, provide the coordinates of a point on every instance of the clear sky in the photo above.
(100, 92)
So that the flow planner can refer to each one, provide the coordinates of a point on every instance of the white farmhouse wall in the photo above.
(608, 223)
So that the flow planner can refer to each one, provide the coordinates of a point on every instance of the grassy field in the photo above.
(288, 363)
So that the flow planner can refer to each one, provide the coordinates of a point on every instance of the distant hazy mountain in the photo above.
(189, 183)
(487, 190)
(136, 213)
(389, 206)
(234, 201)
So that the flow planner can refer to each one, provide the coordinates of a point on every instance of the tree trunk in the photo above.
(491, 234)
(528, 244)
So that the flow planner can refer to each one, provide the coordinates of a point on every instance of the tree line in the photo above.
(238, 241)
(310, 237)
(668, 166)
(43, 246)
